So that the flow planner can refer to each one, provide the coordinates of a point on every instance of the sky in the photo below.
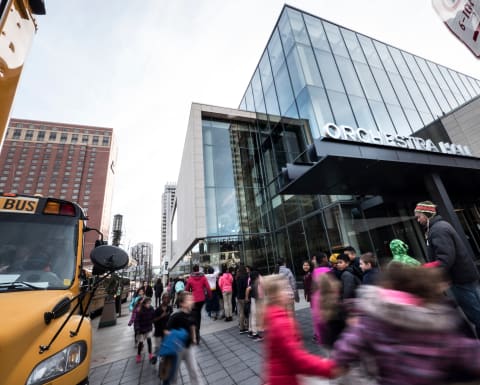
(137, 66)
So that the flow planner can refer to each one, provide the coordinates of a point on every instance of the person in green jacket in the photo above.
(399, 250)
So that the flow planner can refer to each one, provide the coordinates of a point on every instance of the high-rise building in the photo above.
(336, 137)
(66, 161)
(168, 203)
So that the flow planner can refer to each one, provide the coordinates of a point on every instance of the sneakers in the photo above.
(251, 334)
(152, 358)
(258, 337)
(243, 331)
(138, 359)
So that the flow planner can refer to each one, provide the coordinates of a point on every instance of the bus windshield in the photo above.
(36, 254)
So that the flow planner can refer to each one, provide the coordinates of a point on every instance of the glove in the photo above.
(431, 264)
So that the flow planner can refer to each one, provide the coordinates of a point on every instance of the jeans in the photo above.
(467, 296)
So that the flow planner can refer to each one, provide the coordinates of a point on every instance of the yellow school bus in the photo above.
(17, 28)
(45, 337)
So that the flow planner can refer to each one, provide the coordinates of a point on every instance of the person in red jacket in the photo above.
(285, 356)
(198, 285)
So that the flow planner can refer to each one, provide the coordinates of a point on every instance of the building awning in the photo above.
(351, 168)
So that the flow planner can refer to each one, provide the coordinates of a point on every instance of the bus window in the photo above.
(41, 252)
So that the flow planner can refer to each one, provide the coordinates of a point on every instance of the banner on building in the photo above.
(462, 18)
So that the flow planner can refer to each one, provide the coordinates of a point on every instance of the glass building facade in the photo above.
(311, 73)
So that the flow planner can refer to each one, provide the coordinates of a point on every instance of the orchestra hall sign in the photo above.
(362, 135)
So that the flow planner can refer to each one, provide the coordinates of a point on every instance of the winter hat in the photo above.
(333, 258)
(426, 207)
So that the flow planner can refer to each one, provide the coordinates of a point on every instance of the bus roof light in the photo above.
(59, 208)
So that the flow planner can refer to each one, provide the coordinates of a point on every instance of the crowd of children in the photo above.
(397, 315)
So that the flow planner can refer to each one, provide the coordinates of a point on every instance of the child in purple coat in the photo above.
(144, 325)
(409, 330)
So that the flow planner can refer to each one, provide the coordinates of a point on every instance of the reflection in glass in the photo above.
(341, 108)
(335, 39)
(298, 26)
(316, 32)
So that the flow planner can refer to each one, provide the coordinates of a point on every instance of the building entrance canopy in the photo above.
(343, 167)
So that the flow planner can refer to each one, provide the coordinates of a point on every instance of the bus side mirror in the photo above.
(108, 258)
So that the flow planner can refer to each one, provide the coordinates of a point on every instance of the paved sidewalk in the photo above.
(224, 356)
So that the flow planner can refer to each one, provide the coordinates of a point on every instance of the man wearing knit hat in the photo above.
(446, 249)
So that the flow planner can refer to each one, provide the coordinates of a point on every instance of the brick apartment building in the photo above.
(66, 161)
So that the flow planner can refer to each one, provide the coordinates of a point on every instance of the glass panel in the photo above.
(243, 105)
(283, 245)
(400, 122)
(316, 236)
(385, 57)
(474, 84)
(382, 117)
(265, 71)
(443, 85)
(309, 65)
(306, 111)
(401, 90)
(258, 93)
(292, 111)
(433, 85)
(286, 32)
(316, 32)
(336, 40)
(291, 207)
(226, 211)
(296, 72)
(341, 108)
(285, 94)
(458, 82)
(249, 99)
(349, 76)
(367, 80)
(278, 216)
(298, 247)
(208, 166)
(413, 66)
(211, 211)
(216, 133)
(416, 95)
(451, 85)
(298, 26)
(370, 52)
(275, 52)
(362, 113)
(430, 99)
(332, 223)
(385, 86)
(329, 71)
(401, 65)
(271, 101)
(467, 85)
(353, 45)
(321, 108)
(414, 119)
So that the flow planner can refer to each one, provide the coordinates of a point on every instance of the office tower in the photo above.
(66, 161)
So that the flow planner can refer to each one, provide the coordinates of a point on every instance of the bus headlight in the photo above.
(58, 364)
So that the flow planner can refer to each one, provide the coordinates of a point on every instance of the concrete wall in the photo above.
(463, 126)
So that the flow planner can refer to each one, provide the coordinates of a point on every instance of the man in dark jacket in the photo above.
(446, 249)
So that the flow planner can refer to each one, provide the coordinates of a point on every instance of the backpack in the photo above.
(179, 286)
